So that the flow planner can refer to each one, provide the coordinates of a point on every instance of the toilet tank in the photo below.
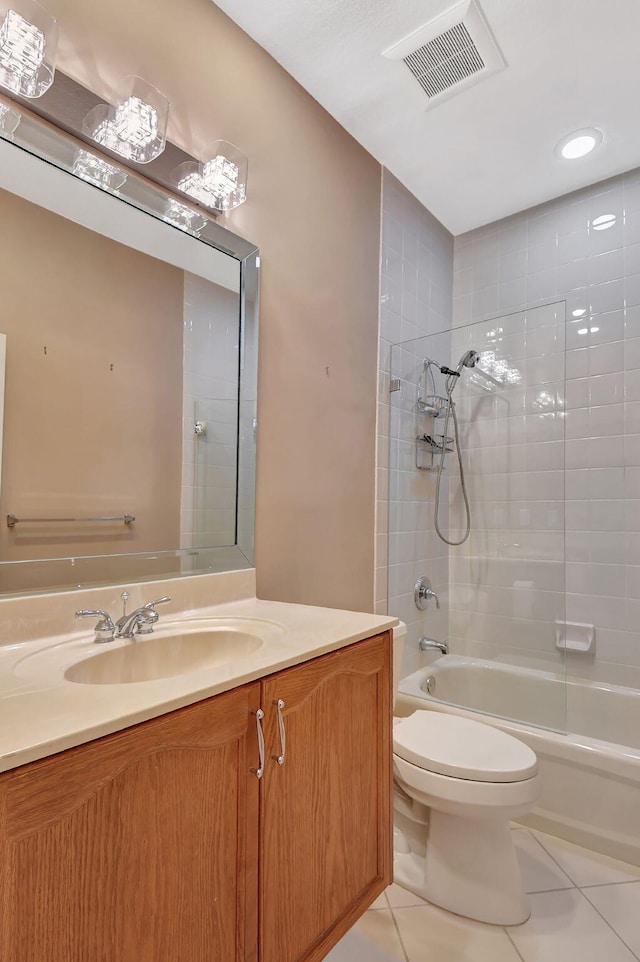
(399, 635)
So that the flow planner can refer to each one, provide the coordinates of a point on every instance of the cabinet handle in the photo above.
(258, 772)
(283, 740)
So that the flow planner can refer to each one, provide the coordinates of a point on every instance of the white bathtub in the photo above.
(590, 777)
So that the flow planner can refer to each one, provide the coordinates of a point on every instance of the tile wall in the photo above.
(507, 598)
(583, 249)
(416, 299)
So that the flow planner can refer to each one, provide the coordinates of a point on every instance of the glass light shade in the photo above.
(225, 176)
(188, 178)
(9, 120)
(134, 127)
(28, 41)
(97, 171)
(219, 183)
(184, 217)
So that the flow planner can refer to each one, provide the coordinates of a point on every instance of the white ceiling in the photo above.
(489, 151)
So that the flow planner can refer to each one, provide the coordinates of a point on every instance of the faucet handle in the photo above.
(149, 616)
(152, 604)
(423, 593)
(105, 629)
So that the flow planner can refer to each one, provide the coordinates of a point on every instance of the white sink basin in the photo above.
(193, 645)
(147, 659)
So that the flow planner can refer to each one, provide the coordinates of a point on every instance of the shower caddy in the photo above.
(431, 406)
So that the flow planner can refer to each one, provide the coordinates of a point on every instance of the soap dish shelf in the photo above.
(575, 636)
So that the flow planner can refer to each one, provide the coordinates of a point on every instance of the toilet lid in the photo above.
(462, 748)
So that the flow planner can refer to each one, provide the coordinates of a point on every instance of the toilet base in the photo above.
(469, 867)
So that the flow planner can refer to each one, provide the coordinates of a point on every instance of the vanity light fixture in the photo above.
(28, 40)
(219, 183)
(9, 120)
(183, 217)
(97, 171)
(579, 143)
(135, 127)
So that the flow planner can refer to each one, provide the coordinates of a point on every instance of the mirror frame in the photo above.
(70, 573)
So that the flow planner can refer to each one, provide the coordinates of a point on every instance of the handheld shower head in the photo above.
(468, 359)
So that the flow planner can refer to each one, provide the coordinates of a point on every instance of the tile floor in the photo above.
(585, 907)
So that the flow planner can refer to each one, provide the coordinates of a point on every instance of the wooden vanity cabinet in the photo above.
(325, 819)
(159, 844)
(139, 847)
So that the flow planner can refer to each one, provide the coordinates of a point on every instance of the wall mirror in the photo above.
(130, 375)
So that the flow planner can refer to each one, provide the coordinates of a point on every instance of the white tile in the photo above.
(539, 871)
(632, 354)
(620, 906)
(606, 297)
(380, 903)
(607, 358)
(585, 867)
(606, 388)
(609, 266)
(430, 934)
(373, 939)
(400, 897)
(564, 927)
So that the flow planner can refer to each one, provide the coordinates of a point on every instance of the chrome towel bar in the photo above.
(12, 521)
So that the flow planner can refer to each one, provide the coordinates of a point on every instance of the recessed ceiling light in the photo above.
(579, 312)
(579, 143)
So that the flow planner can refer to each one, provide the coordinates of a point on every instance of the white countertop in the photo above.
(42, 713)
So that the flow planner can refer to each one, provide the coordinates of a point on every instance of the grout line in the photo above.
(555, 861)
(402, 945)
(589, 851)
(617, 934)
(599, 885)
(565, 888)
(517, 950)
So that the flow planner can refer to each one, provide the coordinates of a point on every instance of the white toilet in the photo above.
(458, 783)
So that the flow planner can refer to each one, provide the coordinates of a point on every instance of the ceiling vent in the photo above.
(452, 52)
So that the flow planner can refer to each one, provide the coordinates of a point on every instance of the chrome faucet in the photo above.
(430, 644)
(140, 621)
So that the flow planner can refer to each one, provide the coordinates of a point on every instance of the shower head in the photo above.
(468, 359)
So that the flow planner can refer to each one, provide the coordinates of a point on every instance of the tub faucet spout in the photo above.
(430, 644)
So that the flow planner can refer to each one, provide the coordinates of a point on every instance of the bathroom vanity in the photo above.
(159, 840)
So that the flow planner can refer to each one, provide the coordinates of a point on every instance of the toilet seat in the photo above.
(461, 748)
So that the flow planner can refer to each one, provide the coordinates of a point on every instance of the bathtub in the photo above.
(590, 776)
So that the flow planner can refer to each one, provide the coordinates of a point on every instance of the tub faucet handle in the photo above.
(423, 593)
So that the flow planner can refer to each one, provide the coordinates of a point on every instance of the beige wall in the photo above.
(314, 210)
(93, 399)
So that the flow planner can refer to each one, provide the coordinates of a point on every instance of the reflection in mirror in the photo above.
(130, 382)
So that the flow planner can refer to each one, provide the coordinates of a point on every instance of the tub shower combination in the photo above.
(585, 733)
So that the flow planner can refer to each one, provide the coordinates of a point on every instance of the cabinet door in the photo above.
(138, 847)
(326, 811)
